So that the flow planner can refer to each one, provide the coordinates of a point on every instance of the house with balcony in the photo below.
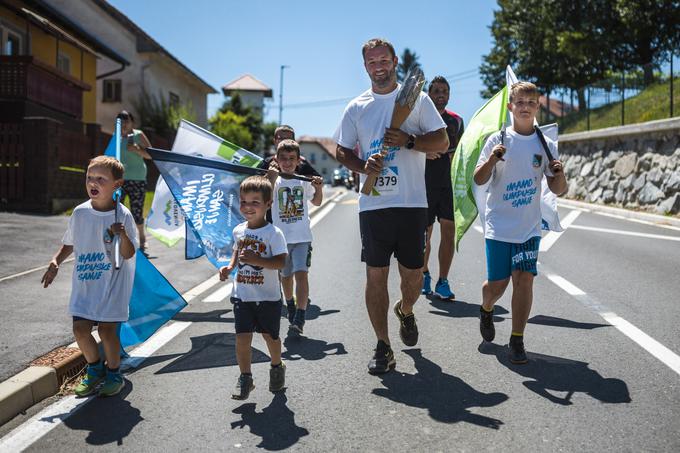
(152, 70)
(48, 97)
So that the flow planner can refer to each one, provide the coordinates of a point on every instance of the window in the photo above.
(324, 171)
(64, 63)
(12, 42)
(324, 156)
(111, 90)
(174, 100)
(312, 158)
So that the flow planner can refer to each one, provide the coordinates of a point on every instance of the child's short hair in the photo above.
(113, 164)
(258, 183)
(525, 88)
(288, 145)
(284, 128)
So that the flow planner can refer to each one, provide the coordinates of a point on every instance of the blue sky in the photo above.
(321, 43)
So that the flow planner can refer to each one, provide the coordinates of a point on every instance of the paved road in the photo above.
(590, 385)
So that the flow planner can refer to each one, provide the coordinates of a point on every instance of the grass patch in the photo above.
(652, 103)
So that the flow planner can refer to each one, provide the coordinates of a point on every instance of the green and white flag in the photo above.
(485, 122)
(165, 221)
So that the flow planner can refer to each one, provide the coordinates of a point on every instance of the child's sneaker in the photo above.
(277, 377)
(517, 353)
(95, 374)
(113, 384)
(244, 386)
(427, 284)
(486, 327)
(443, 291)
(298, 324)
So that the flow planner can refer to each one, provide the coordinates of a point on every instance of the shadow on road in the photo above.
(275, 424)
(314, 311)
(209, 316)
(296, 348)
(447, 398)
(461, 309)
(556, 374)
(108, 420)
(207, 351)
(561, 322)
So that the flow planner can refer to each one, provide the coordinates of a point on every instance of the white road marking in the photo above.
(201, 288)
(222, 293)
(549, 239)
(626, 233)
(644, 222)
(31, 270)
(153, 344)
(326, 209)
(661, 352)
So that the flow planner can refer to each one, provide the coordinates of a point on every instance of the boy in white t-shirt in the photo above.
(100, 293)
(514, 171)
(291, 215)
(259, 252)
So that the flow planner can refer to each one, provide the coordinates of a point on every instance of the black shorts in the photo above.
(439, 204)
(393, 230)
(260, 317)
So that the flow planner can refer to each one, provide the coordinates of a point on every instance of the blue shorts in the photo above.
(298, 259)
(261, 317)
(502, 258)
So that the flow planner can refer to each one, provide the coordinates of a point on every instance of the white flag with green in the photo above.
(165, 221)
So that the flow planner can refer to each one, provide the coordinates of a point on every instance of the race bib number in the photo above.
(388, 181)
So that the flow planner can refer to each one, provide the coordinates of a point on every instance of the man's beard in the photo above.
(386, 80)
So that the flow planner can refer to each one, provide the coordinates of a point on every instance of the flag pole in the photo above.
(116, 197)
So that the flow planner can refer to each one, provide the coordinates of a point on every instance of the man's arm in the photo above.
(432, 142)
(350, 160)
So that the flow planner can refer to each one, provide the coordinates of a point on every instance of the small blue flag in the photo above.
(154, 301)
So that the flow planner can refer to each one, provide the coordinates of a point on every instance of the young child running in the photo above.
(259, 252)
(100, 294)
(291, 215)
(513, 214)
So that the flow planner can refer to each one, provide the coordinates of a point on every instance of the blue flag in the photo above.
(192, 244)
(154, 301)
(111, 147)
(207, 190)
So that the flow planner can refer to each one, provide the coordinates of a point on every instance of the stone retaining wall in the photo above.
(636, 166)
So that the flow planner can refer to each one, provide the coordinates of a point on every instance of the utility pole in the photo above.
(281, 93)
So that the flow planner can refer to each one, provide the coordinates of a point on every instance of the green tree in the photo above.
(233, 128)
(253, 122)
(407, 61)
(158, 114)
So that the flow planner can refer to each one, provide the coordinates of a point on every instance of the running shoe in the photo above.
(277, 377)
(93, 377)
(486, 327)
(427, 284)
(383, 359)
(443, 291)
(113, 384)
(516, 351)
(298, 324)
(244, 385)
(408, 329)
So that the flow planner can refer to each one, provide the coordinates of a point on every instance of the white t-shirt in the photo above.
(255, 283)
(513, 200)
(99, 292)
(290, 212)
(402, 182)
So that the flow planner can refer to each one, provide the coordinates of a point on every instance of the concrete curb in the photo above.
(36, 383)
(621, 212)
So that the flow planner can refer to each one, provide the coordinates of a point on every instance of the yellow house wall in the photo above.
(43, 46)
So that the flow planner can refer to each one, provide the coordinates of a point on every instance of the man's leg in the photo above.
(446, 246)
(411, 282)
(428, 248)
(377, 300)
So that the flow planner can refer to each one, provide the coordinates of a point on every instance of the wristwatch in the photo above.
(411, 141)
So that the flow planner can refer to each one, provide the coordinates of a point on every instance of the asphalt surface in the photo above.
(587, 385)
